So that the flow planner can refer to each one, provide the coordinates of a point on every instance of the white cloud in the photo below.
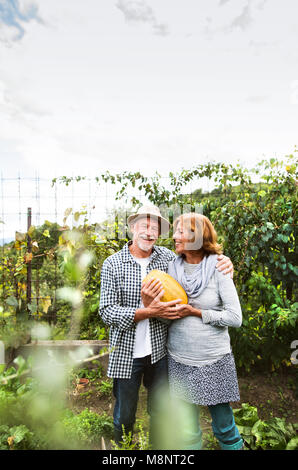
(27, 8)
(8, 34)
(16, 104)
(137, 11)
(14, 14)
(244, 20)
(223, 2)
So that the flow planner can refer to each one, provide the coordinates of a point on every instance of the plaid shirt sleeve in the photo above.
(111, 311)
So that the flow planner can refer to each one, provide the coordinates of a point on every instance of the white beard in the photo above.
(143, 246)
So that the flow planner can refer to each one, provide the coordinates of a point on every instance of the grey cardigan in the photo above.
(200, 341)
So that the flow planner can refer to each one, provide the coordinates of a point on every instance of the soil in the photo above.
(273, 393)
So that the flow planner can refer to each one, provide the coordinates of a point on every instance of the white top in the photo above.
(142, 346)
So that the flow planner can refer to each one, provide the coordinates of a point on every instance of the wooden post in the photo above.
(29, 249)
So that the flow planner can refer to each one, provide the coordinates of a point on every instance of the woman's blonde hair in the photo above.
(202, 228)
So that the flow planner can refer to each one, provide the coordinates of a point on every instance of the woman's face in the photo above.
(182, 238)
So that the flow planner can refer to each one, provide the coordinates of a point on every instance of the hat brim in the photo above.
(164, 224)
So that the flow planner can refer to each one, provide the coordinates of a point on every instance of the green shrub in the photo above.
(141, 441)
(106, 387)
(274, 434)
(86, 429)
(19, 438)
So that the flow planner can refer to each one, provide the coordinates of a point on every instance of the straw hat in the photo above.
(154, 212)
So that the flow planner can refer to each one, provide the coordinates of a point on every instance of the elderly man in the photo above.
(138, 335)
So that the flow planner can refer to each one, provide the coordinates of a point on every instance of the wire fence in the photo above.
(48, 201)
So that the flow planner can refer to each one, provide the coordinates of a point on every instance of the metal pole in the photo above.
(53, 317)
(29, 248)
(2, 224)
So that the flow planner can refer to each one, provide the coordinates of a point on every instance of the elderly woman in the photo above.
(201, 364)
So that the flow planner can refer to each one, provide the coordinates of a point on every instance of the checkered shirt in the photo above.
(120, 297)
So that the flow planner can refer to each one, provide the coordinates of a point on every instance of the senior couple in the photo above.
(180, 349)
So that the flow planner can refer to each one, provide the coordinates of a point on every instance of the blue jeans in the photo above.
(223, 425)
(126, 392)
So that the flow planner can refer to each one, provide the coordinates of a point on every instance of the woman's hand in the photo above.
(186, 310)
(165, 310)
(150, 290)
(225, 264)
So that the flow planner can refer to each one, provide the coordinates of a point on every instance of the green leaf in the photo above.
(31, 230)
(94, 307)
(46, 233)
(20, 237)
(247, 415)
(32, 306)
(21, 363)
(292, 444)
(19, 433)
(12, 301)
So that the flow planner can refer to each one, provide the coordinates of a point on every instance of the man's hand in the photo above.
(150, 290)
(225, 264)
(151, 293)
(167, 310)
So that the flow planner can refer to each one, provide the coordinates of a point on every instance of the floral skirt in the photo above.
(206, 385)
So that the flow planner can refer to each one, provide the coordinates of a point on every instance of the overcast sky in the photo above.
(92, 85)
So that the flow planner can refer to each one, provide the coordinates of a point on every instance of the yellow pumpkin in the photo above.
(173, 290)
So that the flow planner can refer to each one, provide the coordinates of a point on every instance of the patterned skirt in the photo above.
(206, 385)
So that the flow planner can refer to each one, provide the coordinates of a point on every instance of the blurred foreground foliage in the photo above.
(34, 413)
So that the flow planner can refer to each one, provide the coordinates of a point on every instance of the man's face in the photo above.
(145, 233)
